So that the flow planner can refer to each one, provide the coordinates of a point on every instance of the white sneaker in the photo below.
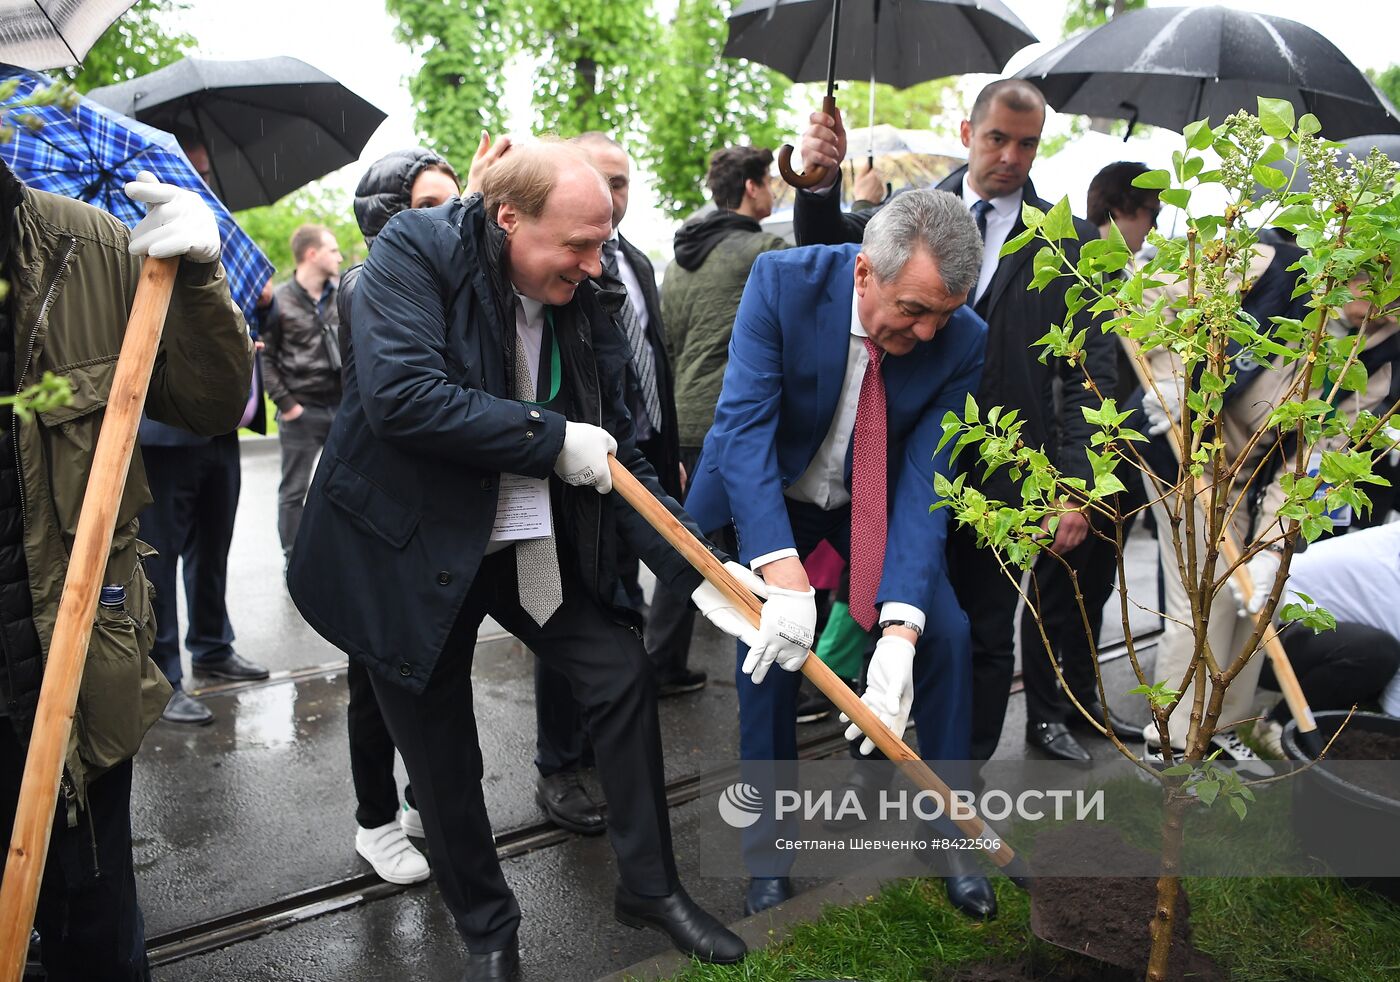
(411, 821)
(1268, 733)
(393, 857)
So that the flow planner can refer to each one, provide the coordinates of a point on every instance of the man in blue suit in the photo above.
(810, 444)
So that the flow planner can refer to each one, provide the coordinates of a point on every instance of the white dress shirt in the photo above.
(823, 483)
(999, 222)
(529, 325)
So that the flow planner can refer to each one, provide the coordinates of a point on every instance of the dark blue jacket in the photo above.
(400, 510)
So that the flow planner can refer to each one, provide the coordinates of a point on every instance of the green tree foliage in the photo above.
(1083, 14)
(917, 107)
(698, 101)
(1388, 82)
(593, 57)
(459, 90)
(138, 43)
(271, 226)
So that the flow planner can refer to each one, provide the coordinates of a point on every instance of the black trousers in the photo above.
(670, 620)
(1335, 669)
(989, 599)
(371, 755)
(195, 491)
(607, 668)
(88, 915)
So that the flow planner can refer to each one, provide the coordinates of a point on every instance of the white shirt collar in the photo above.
(534, 309)
(857, 328)
(1008, 205)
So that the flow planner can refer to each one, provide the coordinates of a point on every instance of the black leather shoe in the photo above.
(1055, 740)
(691, 929)
(1122, 727)
(494, 966)
(564, 800)
(765, 892)
(679, 683)
(968, 890)
(184, 708)
(233, 667)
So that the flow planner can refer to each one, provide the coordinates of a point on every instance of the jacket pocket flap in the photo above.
(90, 385)
(370, 505)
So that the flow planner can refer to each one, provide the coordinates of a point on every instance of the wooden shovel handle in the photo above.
(63, 671)
(813, 175)
(695, 553)
(1230, 552)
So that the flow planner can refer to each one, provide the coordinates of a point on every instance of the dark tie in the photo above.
(979, 212)
(869, 502)
(643, 358)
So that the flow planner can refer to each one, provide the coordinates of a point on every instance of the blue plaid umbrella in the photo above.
(90, 152)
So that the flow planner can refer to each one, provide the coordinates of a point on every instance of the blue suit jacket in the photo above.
(787, 359)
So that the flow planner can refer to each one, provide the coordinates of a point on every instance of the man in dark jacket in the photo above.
(403, 179)
(72, 276)
(699, 299)
(1001, 134)
(459, 481)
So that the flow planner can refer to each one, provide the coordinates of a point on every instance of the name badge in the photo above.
(522, 509)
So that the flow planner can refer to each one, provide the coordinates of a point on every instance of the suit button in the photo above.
(529, 434)
(534, 414)
(405, 669)
(486, 484)
(444, 577)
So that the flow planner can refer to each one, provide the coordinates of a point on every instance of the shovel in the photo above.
(63, 671)
(816, 671)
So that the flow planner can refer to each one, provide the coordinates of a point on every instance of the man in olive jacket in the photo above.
(72, 272)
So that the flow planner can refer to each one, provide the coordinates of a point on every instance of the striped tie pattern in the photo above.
(536, 560)
(643, 358)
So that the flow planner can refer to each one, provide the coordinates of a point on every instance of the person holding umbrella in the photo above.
(1001, 134)
(73, 272)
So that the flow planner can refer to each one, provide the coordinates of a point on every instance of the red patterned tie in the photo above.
(869, 506)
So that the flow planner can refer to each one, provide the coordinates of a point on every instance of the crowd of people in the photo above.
(467, 391)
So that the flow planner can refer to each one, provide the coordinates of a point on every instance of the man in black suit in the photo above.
(1002, 135)
(485, 373)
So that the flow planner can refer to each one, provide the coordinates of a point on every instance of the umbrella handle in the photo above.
(813, 175)
(58, 694)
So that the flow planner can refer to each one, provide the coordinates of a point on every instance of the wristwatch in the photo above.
(918, 631)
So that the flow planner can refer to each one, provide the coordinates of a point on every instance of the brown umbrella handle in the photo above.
(695, 553)
(813, 175)
(1230, 552)
(58, 696)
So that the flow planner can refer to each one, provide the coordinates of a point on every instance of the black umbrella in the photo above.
(44, 34)
(897, 42)
(270, 126)
(1170, 66)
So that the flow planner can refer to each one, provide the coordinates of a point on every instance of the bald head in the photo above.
(556, 212)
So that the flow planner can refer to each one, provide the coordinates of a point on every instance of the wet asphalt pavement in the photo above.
(258, 807)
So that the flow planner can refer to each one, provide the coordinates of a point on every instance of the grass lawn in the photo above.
(1269, 930)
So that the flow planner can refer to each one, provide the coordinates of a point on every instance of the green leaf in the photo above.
(1239, 807)
(1271, 177)
(1276, 117)
(1308, 125)
(1059, 222)
(1013, 245)
(1198, 134)
(1031, 216)
(1180, 197)
(1153, 179)
(1207, 791)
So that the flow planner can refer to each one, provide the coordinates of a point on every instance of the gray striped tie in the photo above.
(643, 358)
(536, 560)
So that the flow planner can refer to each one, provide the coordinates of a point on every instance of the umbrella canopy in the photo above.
(270, 126)
(1170, 66)
(90, 152)
(912, 40)
(42, 34)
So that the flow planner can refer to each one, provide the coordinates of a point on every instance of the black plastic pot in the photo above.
(1340, 821)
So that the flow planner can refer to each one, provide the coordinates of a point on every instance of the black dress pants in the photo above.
(670, 621)
(371, 755)
(989, 599)
(88, 916)
(435, 731)
(1336, 669)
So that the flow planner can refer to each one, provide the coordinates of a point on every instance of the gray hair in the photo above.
(936, 222)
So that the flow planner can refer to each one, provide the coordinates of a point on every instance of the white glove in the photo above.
(1162, 415)
(723, 614)
(785, 633)
(1261, 571)
(177, 222)
(584, 459)
(889, 689)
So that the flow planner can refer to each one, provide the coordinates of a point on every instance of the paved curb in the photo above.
(774, 925)
(257, 444)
